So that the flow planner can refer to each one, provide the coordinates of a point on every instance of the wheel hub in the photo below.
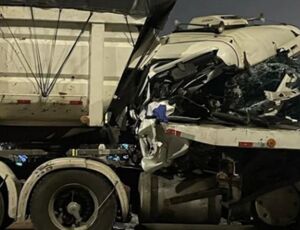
(74, 208)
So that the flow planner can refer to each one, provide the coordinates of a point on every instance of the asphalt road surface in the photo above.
(196, 227)
(28, 226)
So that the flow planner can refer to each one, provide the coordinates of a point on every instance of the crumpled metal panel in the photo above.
(206, 89)
(210, 91)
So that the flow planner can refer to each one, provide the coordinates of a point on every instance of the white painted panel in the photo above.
(96, 81)
(88, 81)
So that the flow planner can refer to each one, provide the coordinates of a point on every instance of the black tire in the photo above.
(5, 220)
(260, 225)
(43, 197)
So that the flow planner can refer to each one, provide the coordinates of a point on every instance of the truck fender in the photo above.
(71, 163)
(11, 182)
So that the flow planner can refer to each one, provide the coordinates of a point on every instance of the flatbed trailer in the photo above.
(237, 136)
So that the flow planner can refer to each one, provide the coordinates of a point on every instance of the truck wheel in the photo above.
(278, 209)
(73, 199)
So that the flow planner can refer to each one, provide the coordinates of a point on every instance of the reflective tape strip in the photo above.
(179, 134)
(173, 132)
(76, 103)
(24, 102)
(245, 144)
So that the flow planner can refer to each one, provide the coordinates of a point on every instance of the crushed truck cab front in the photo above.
(247, 75)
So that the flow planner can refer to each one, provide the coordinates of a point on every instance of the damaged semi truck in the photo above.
(101, 118)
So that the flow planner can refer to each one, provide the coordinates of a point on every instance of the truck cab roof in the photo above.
(236, 46)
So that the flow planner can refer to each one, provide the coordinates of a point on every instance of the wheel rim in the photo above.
(73, 206)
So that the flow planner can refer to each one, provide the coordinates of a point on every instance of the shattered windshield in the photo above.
(268, 92)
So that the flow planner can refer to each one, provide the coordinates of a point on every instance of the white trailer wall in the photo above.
(87, 82)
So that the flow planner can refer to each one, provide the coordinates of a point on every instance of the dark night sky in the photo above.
(275, 10)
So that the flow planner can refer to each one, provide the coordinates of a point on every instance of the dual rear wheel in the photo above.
(73, 199)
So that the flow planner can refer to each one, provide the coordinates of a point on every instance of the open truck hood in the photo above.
(158, 12)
